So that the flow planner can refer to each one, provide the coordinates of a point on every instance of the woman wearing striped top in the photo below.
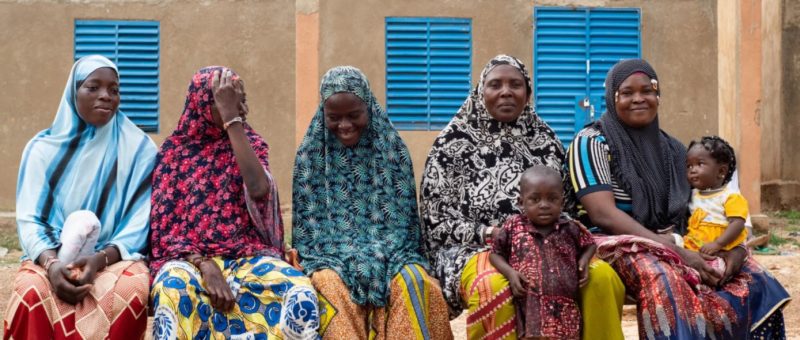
(630, 178)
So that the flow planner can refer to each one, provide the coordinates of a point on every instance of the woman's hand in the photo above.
(710, 248)
(86, 268)
(228, 94)
(734, 260)
(216, 287)
(66, 290)
(708, 275)
(293, 259)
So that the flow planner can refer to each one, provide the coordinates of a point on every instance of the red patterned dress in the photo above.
(550, 264)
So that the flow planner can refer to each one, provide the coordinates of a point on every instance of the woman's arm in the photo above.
(229, 99)
(605, 214)
(213, 281)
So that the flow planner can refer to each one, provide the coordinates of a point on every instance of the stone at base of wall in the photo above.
(780, 195)
(760, 223)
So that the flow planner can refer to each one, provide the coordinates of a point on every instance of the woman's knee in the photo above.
(174, 275)
(27, 279)
(601, 274)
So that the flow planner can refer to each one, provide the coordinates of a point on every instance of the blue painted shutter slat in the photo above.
(134, 47)
(613, 35)
(573, 50)
(559, 66)
(428, 64)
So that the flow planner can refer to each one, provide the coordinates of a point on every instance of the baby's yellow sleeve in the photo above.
(736, 206)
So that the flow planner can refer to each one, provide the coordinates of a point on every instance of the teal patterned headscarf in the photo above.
(354, 208)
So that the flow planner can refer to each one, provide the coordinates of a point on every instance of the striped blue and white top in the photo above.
(588, 161)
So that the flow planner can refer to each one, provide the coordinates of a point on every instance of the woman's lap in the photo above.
(35, 312)
(272, 299)
(491, 311)
(668, 307)
(416, 308)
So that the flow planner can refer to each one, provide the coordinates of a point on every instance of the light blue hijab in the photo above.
(75, 166)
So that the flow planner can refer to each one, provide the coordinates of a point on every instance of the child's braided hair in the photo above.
(721, 151)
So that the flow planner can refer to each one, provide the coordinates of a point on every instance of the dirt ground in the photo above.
(784, 264)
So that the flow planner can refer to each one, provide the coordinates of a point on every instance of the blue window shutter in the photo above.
(613, 36)
(134, 47)
(559, 64)
(573, 50)
(428, 65)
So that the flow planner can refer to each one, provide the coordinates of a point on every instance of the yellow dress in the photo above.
(710, 213)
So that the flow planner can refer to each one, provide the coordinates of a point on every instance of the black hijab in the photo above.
(648, 163)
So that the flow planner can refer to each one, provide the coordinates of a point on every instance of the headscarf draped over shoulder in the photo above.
(471, 178)
(354, 208)
(200, 203)
(649, 164)
(75, 166)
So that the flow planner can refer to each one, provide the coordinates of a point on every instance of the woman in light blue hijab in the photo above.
(83, 206)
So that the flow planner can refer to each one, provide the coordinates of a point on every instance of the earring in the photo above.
(616, 96)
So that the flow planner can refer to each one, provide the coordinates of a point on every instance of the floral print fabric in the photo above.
(199, 203)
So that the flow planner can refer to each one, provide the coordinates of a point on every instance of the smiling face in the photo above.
(702, 170)
(637, 101)
(346, 117)
(97, 98)
(541, 198)
(505, 93)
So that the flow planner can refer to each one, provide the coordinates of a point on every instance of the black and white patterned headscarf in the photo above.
(471, 179)
(649, 164)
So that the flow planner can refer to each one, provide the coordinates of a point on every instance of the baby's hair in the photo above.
(720, 151)
(540, 170)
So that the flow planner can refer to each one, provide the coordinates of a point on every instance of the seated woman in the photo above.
(83, 205)
(630, 177)
(356, 226)
(217, 234)
(470, 187)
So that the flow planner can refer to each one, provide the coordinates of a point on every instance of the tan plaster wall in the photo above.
(255, 38)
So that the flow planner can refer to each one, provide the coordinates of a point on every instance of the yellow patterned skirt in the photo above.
(416, 309)
(273, 300)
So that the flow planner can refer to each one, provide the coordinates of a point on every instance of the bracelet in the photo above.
(232, 121)
(49, 263)
(105, 255)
